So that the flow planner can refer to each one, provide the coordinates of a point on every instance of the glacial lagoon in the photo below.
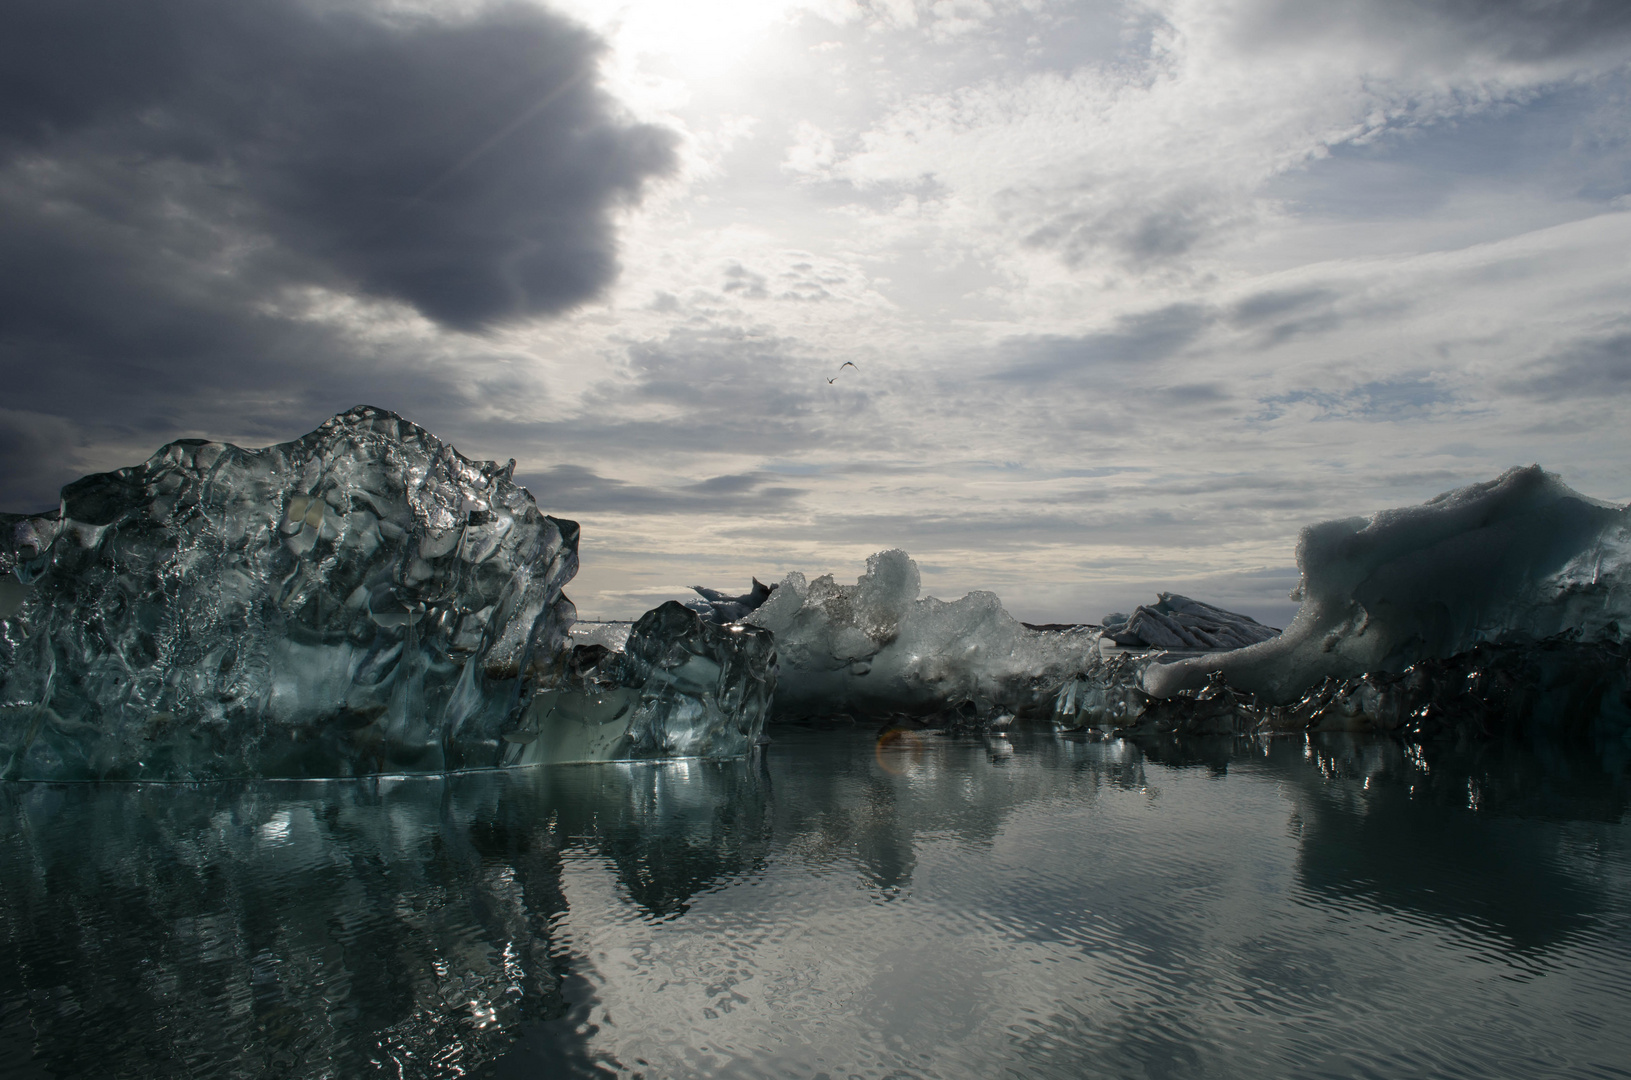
(844, 902)
(253, 705)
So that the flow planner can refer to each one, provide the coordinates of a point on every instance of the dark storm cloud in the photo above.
(174, 173)
(465, 167)
(573, 489)
(25, 440)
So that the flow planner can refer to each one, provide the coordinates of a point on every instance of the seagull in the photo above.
(841, 367)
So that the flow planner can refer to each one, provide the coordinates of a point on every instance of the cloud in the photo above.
(465, 166)
(1404, 397)
(244, 217)
(1272, 303)
(1513, 31)
(719, 389)
(574, 489)
(1141, 338)
(1150, 164)
(744, 282)
(27, 439)
(1594, 367)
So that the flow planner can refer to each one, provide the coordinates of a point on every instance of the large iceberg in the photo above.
(876, 649)
(1520, 558)
(363, 599)
(1495, 609)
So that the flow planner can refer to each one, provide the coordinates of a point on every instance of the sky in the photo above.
(1132, 290)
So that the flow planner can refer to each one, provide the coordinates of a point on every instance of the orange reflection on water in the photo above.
(898, 750)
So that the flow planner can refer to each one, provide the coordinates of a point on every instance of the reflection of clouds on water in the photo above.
(1473, 838)
(290, 929)
(1042, 904)
(670, 829)
(1056, 907)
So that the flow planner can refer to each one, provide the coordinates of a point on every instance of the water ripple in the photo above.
(1051, 907)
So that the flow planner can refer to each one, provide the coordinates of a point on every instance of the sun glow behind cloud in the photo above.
(1047, 264)
(663, 53)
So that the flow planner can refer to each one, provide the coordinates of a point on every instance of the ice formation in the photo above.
(1555, 688)
(875, 649)
(366, 600)
(362, 599)
(1177, 622)
(683, 686)
(722, 608)
(1521, 557)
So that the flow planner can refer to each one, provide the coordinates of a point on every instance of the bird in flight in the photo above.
(841, 367)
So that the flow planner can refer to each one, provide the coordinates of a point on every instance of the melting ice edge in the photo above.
(367, 600)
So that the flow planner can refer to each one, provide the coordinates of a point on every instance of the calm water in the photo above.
(925, 907)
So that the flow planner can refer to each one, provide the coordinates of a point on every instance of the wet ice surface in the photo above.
(1042, 905)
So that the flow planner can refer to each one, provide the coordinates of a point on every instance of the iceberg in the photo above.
(1493, 610)
(683, 686)
(876, 649)
(1557, 688)
(1177, 622)
(367, 600)
(723, 608)
(361, 600)
(1520, 558)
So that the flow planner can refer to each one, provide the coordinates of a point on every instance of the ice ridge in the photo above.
(1177, 622)
(722, 608)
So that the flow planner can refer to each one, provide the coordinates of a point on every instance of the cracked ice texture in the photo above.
(875, 649)
(1177, 622)
(1519, 558)
(364, 599)
(685, 686)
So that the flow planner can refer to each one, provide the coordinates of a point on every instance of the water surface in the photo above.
(840, 905)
